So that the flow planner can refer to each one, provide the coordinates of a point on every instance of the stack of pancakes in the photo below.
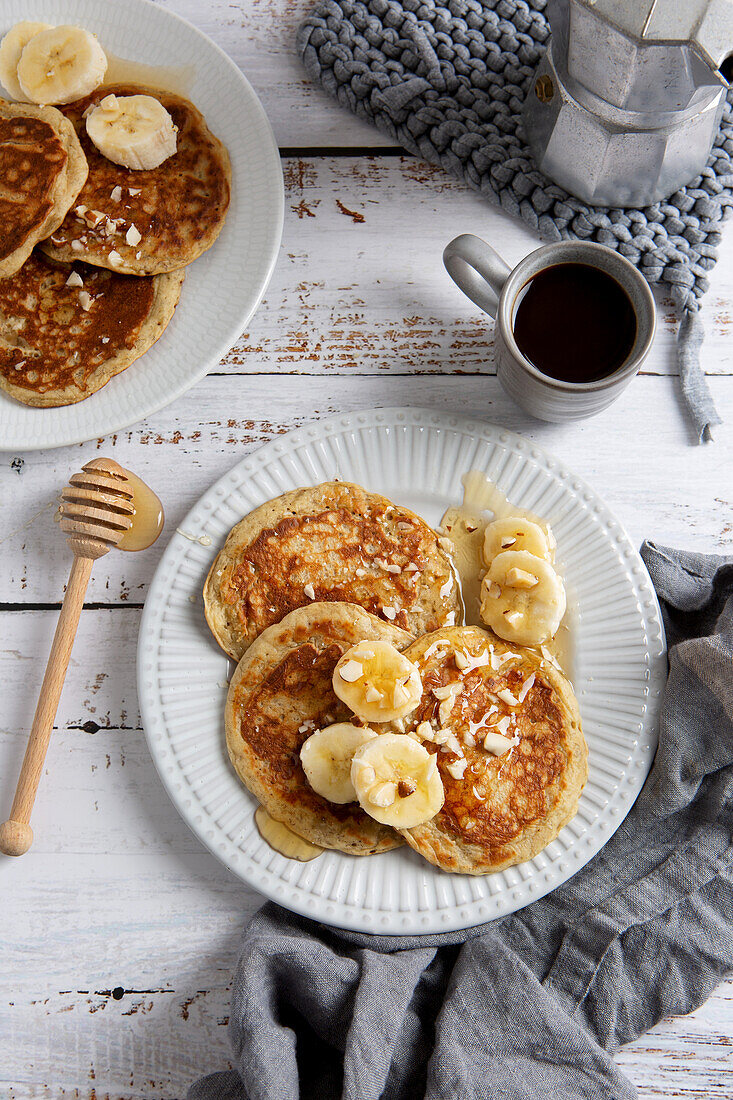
(93, 255)
(311, 573)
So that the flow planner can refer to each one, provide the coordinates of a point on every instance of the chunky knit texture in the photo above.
(447, 81)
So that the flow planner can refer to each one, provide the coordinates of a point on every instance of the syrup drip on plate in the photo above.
(168, 78)
(283, 839)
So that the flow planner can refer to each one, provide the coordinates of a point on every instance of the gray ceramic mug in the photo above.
(481, 273)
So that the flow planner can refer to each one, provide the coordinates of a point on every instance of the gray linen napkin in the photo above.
(446, 79)
(540, 1000)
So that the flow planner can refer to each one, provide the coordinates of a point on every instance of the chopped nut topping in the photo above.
(526, 686)
(506, 697)
(521, 578)
(85, 300)
(115, 258)
(372, 694)
(457, 768)
(133, 236)
(383, 795)
(309, 591)
(389, 613)
(351, 672)
(75, 279)
(134, 190)
(412, 568)
(497, 743)
(116, 193)
(77, 246)
(105, 339)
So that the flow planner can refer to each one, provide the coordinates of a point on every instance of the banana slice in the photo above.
(135, 131)
(326, 758)
(377, 682)
(283, 839)
(11, 48)
(61, 64)
(515, 533)
(523, 598)
(397, 781)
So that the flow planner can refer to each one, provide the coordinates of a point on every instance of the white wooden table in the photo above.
(119, 931)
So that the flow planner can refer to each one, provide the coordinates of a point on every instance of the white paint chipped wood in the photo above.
(124, 930)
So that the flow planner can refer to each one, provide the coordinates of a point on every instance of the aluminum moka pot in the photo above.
(626, 103)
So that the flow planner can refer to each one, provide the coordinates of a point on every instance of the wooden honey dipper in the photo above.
(99, 510)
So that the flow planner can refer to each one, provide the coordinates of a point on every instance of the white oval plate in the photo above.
(223, 287)
(416, 457)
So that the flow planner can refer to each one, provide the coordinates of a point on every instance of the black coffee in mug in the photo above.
(574, 323)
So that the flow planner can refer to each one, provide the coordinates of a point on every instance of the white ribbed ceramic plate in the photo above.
(416, 457)
(224, 286)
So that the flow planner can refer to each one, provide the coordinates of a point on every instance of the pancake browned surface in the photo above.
(334, 541)
(506, 808)
(42, 169)
(282, 691)
(177, 208)
(53, 350)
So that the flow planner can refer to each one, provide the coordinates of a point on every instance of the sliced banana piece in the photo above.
(135, 131)
(61, 64)
(326, 758)
(397, 781)
(516, 533)
(11, 48)
(377, 682)
(283, 839)
(523, 598)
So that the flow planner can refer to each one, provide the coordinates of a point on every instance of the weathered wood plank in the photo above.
(637, 455)
(340, 303)
(260, 38)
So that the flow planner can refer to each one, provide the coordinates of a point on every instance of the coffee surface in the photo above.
(574, 323)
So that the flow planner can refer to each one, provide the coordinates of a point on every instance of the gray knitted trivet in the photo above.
(447, 82)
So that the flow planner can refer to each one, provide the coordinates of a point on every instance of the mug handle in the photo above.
(477, 270)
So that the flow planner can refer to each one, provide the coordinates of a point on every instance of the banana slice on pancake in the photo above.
(11, 47)
(326, 758)
(515, 533)
(135, 131)
(61, 64)
(377, 682)
(397, 781)
(522, 598)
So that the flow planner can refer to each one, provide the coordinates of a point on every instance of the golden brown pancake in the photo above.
(506, 808)
(42, 169)
(282, 691)
(178, 208)
(333, 541)
(53, 351)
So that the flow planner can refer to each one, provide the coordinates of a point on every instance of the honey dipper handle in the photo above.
(16, 835)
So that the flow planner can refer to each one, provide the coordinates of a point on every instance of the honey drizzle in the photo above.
(465, 525)
(148, 517)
